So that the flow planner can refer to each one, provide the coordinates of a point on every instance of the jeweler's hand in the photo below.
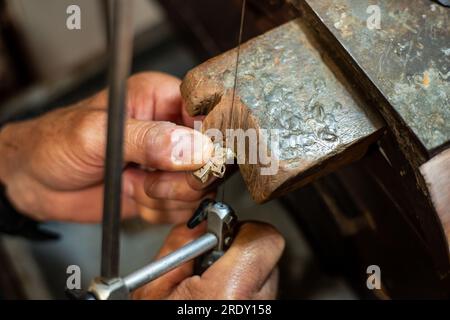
(53, 166)
(248, 270)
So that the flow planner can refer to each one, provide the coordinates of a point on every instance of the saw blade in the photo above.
(236, 72)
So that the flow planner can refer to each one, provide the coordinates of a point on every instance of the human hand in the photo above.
(248, 270)
(53, 166)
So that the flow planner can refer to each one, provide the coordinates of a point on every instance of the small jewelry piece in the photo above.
(216, 165)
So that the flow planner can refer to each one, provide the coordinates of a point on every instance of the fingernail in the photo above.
(203, 148)
(190, 147)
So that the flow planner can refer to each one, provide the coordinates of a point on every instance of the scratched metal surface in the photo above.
(408, 59)
(286, 85)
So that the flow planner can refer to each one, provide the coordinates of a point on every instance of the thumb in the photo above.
(165, 146)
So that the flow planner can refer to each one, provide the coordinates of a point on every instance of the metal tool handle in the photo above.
(173, 260)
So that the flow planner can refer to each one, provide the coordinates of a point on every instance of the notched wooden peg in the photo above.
(283, 84)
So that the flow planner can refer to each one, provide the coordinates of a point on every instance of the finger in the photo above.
(163, 286)
(173, 186)
(246, 266)
(165, 146)
(168, 205)
(154, 96)
(161, 185)
(66, 205)
(158, 210)
(168, 211)
(150, 96)
(164, 216)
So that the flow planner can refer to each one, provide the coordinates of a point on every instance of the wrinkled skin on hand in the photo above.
(53, 166)
(248, 270)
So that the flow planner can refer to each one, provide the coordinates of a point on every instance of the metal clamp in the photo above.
(222, 223)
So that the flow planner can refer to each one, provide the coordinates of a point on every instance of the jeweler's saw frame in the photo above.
(221, 219)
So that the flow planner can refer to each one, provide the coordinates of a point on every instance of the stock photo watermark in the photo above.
(73, 21)
(73, 281)
(374, 277)
(374, 19)
(249, 147)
